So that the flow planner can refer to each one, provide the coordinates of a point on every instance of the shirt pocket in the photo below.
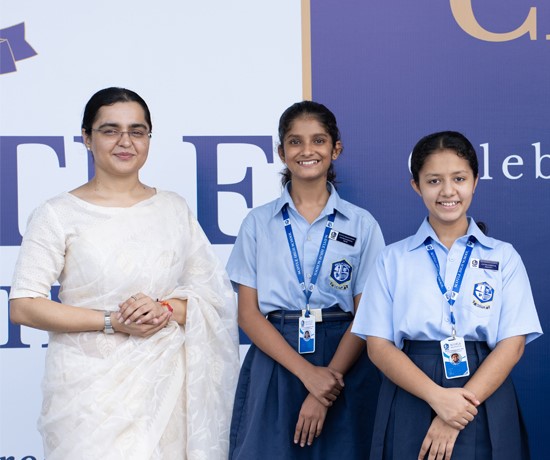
(340, 268)
(481, 293)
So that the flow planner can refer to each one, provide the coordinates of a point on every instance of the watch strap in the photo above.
(108, 326)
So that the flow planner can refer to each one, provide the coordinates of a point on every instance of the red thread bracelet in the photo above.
(164, 303)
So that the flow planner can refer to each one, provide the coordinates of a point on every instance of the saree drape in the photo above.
(168, 396)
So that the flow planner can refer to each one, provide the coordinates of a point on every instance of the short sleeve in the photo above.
(41, 256)
(373, 243)
(374, 314)
(241, 265)
(518, 315)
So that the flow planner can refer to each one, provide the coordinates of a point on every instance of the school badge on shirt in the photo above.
(340, 274)
(483, 295)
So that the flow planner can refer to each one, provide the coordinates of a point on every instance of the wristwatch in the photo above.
(108, 329)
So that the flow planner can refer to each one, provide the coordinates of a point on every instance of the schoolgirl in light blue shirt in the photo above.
(481, 299)
(260, 258)
(396, 312)
(304, 396)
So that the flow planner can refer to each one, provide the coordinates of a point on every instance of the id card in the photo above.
(306, 334)
(455, 360)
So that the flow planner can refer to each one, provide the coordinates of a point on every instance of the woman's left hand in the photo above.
(143, 330)
(310, 421)
(140, 309)
(439, 441)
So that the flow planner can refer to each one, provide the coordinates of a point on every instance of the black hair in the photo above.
(110, 96)
(308, 109)
(445, 140)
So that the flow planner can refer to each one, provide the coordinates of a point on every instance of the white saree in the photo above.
(118, 397)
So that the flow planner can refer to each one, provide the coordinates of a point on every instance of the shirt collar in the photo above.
(334, 203)
(426, 231)
(283, 200)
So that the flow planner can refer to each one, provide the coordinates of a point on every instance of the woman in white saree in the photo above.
(143, 351)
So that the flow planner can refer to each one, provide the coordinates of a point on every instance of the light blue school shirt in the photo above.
(402, 300)
(261, 257)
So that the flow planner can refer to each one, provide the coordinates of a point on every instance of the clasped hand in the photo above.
(142, 316)
(324, 383)
(455, 406)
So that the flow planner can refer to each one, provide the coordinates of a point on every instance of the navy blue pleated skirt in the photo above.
(269, 398)
(402, 420)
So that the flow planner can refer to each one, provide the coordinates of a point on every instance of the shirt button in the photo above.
(309, 238)
(446, 320)
(308, 276)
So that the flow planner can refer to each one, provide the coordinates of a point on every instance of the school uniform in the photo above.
(405, 306)
(269, 397)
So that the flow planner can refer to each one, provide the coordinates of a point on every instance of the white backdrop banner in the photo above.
(216, 76)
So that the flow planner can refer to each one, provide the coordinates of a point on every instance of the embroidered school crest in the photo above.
(483, 294)
(340, 274)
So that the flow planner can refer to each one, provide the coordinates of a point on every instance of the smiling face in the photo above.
(118, 155)
(446, 184)
(308, 149)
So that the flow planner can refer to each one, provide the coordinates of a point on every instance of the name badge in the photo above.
(455, 360)
(485, 264)
(342, 237)
(306, 334)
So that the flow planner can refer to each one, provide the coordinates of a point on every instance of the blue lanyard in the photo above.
(451, 296)
(296, 260)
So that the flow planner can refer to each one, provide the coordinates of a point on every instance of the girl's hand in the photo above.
(455, 406)
(439, 441)
(140, 309)
(323, 383)
(310, 421)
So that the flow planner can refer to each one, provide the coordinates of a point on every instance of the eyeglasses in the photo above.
(110, 133)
